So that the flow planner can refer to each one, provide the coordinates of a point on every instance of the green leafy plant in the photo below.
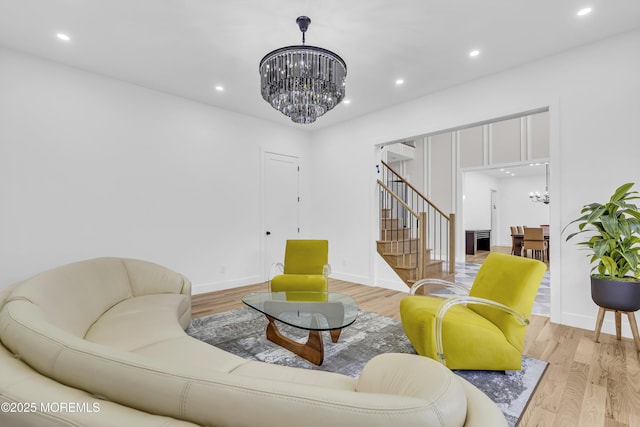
(613, 235)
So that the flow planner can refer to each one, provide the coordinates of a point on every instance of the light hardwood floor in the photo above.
(586, 383)
(480, 256)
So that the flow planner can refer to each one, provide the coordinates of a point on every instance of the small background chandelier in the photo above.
(537, 197)
(303, 82)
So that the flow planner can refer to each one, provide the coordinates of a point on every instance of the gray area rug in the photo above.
(242, 332)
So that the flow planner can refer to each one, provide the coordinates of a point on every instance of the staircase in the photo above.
(416, 238)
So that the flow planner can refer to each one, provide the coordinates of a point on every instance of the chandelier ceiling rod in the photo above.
(303, 23)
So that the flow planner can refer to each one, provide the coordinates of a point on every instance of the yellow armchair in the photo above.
(306, 267)
(481, 328)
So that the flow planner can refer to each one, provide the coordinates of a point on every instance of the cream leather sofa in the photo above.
(102, 343)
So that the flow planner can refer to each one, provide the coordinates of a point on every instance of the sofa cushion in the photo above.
(148, 325)
(188, 351)
(74, 296)
(140, 321)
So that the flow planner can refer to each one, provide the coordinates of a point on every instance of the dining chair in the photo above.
(534, 241)
(520, 229)
(514, 230)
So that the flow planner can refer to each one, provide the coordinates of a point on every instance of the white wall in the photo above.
(91, 166)
(593, 95)
(513, 204)
(515, 207)
(477, 200)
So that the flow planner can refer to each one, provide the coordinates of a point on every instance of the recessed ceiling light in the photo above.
(585, 11)
(474, 53)
(219, 88)
(399, 82)
(63, 37)
(346, 101)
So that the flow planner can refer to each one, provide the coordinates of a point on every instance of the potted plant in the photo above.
(612, 235)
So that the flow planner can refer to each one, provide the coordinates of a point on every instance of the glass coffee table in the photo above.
(311, 311)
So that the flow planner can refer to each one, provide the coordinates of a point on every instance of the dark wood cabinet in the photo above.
(477, 240)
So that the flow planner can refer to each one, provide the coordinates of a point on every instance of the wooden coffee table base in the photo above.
(312, 350)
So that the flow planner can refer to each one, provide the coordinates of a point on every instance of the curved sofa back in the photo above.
(37, 325)
(207, 397)
(74, 296)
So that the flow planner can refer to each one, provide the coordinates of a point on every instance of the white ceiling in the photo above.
(533, 169)
(187, 47)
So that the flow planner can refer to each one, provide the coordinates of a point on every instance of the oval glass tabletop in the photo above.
(313, 311)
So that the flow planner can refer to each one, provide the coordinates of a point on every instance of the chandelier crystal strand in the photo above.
(303, 82)
(537, 197)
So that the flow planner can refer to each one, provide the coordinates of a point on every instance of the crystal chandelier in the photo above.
(537, 197)
(303, 82)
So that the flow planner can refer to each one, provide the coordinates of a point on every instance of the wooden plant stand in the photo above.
(618, 316)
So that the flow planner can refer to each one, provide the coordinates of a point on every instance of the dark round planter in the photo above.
(615, 295)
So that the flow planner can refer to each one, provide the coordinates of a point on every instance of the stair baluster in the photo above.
(416, 238)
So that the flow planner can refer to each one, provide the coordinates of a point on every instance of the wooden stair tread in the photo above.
(398, 241)
(398, 253)
(426, 263)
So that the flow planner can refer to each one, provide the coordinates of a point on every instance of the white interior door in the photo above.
(494, 218)
(281, 206)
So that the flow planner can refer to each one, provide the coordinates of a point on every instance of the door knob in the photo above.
(268, 233)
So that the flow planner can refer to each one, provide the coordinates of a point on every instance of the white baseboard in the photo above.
(589, 323)
(353, 278)
(396, 285)
(203, 288)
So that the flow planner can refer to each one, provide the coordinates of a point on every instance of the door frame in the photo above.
(494, 216)
(264, 269)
